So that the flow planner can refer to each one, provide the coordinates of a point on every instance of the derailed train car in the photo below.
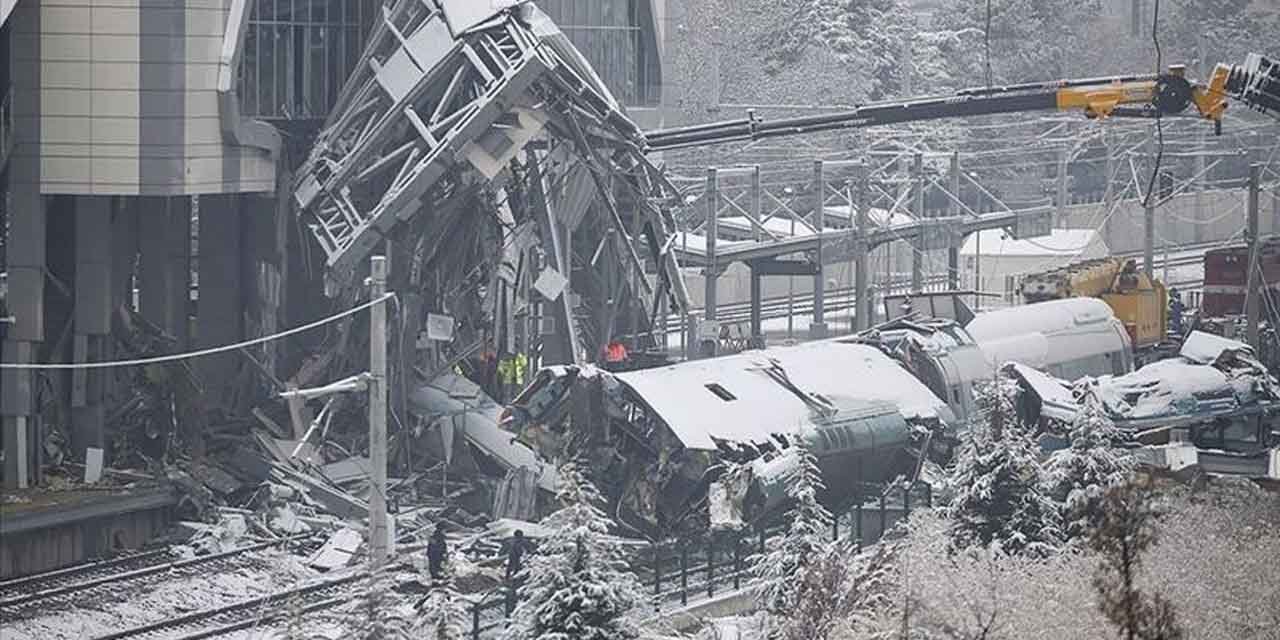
(1214, 386)
(658, 439)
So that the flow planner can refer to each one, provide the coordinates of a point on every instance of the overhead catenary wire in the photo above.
(190, 355)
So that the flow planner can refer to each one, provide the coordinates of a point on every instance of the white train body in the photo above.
(1067, 339)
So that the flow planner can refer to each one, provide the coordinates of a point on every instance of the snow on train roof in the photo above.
(1061, 242)
(1048, 317)
(732, 399)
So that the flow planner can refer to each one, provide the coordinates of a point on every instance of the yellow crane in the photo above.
(1140, 302)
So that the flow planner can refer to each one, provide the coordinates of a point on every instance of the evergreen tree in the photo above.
(380, 617)
(872, 34)
(1078, 476)
(996, 483)
(443, 614)
(1031, 40)
(783, 570)
(1125, 530)
(577, 586)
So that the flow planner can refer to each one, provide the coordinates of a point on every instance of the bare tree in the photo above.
(1125, 530)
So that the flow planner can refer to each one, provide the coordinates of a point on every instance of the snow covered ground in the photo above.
(148, 601)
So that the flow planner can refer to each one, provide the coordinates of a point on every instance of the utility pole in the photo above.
(953, 251)
(378, 410)
(1251, 294)
(1149, 220)
(918, 249)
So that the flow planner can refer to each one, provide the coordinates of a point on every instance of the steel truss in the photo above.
(430, 114)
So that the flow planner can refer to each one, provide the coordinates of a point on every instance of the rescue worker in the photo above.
(515, 564)
(1176, 309)
(437, 553)
(515, 557)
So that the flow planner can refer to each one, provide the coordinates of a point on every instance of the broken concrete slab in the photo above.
(338, 551)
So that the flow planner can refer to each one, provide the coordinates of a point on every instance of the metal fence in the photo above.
(677, 572)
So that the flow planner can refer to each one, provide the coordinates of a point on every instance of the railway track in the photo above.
(20, 596)
(249, 613)
(17, 587)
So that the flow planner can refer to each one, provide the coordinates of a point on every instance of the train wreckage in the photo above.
(677, 443)
(661, 437)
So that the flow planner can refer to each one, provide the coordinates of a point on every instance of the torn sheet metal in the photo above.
(1206, 348)
(1056, 400)
(455, 398)
(938, 352)
(338, 551)
(1214, 378)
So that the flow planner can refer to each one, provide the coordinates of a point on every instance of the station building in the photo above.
(147, 151)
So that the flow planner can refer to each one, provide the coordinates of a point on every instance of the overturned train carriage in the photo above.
(657, 439)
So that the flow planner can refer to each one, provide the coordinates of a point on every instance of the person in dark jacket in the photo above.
(515, 556)
(520, 545)
(437, 553)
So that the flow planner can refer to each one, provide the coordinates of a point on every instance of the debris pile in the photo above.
(663, 438)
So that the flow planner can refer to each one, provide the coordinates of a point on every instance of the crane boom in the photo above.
(1256, 83)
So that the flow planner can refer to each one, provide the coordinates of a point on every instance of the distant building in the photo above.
(993, 260)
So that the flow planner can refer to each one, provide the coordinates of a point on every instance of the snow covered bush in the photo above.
(1078, 476)
(1213, 561)
(577, 586)
(378, 613)
(443, 615)
(996, 482)
(811, 588)
(781, 569)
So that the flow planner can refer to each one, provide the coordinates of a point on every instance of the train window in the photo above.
(955, 395)
(720, 392)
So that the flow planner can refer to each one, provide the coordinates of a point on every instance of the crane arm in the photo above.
(1256, 83)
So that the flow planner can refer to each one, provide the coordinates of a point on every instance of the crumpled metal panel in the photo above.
(465, 15)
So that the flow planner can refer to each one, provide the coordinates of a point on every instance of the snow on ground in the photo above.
(147, 601)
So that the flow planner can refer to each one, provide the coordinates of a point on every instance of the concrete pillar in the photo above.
(711, 274)
(861, 268)
(757, 203)
(164, 265)
(818, 328)
(92, 323)
(757, 325)
(220, 310)
(25, 255)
